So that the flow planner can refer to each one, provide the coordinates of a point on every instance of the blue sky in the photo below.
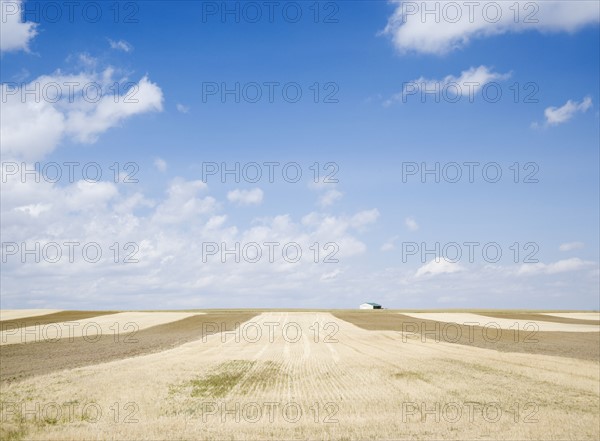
(368, 57)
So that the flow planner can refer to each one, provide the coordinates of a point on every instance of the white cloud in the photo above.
(328, 192)
(570, 246)
(331, 275)
(364, 218)
(558, 115)
(246, 197)
(329, 197)
(411, 224)
(466, 84)
(330, 228)
(183, 204)
(438, 266)
(561, 266)
(84, 195)
(182, 109)
(86, 124)
(120, 45)
(15, 34)
(33, 126)
(34, 210)
(160, 164)
(169, 232)
(390, 244)
(216, 222)
(87, 61)
(413, 30)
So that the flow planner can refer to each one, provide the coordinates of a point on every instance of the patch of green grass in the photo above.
(262, 378)
(217, 385)
(249, 375)
(246, 376)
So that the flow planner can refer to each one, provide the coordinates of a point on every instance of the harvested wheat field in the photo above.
(304, 375)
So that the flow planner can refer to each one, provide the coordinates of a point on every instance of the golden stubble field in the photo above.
(310, 375)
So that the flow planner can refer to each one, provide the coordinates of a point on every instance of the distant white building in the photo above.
(370, 306)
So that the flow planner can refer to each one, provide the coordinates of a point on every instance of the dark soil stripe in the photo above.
(20, 361)
(56, 317)
(540, 317)
(581, 345)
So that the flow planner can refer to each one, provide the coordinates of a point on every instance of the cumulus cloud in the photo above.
(160, 164)
(561, 266)
(468, 83)
(84, 195)
(331, 275)
(330, 197)
(559, 115)
(86, 60)
(182, 109)
(34, 210)
(246, 197)
(15, 34)
(169, 231)
(411, 224)
(329, 228)
(412, 29)
(167, 238)
(67, 107)
(120, 45)
(390, 244)
(328, 192)
(438, 266)
(570, 246)
(183, 202)
(85, 124)
(165, 234)
(364, 218)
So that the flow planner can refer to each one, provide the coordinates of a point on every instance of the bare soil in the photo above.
(20, 361)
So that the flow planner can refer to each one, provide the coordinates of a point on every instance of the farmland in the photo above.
(259, 374)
